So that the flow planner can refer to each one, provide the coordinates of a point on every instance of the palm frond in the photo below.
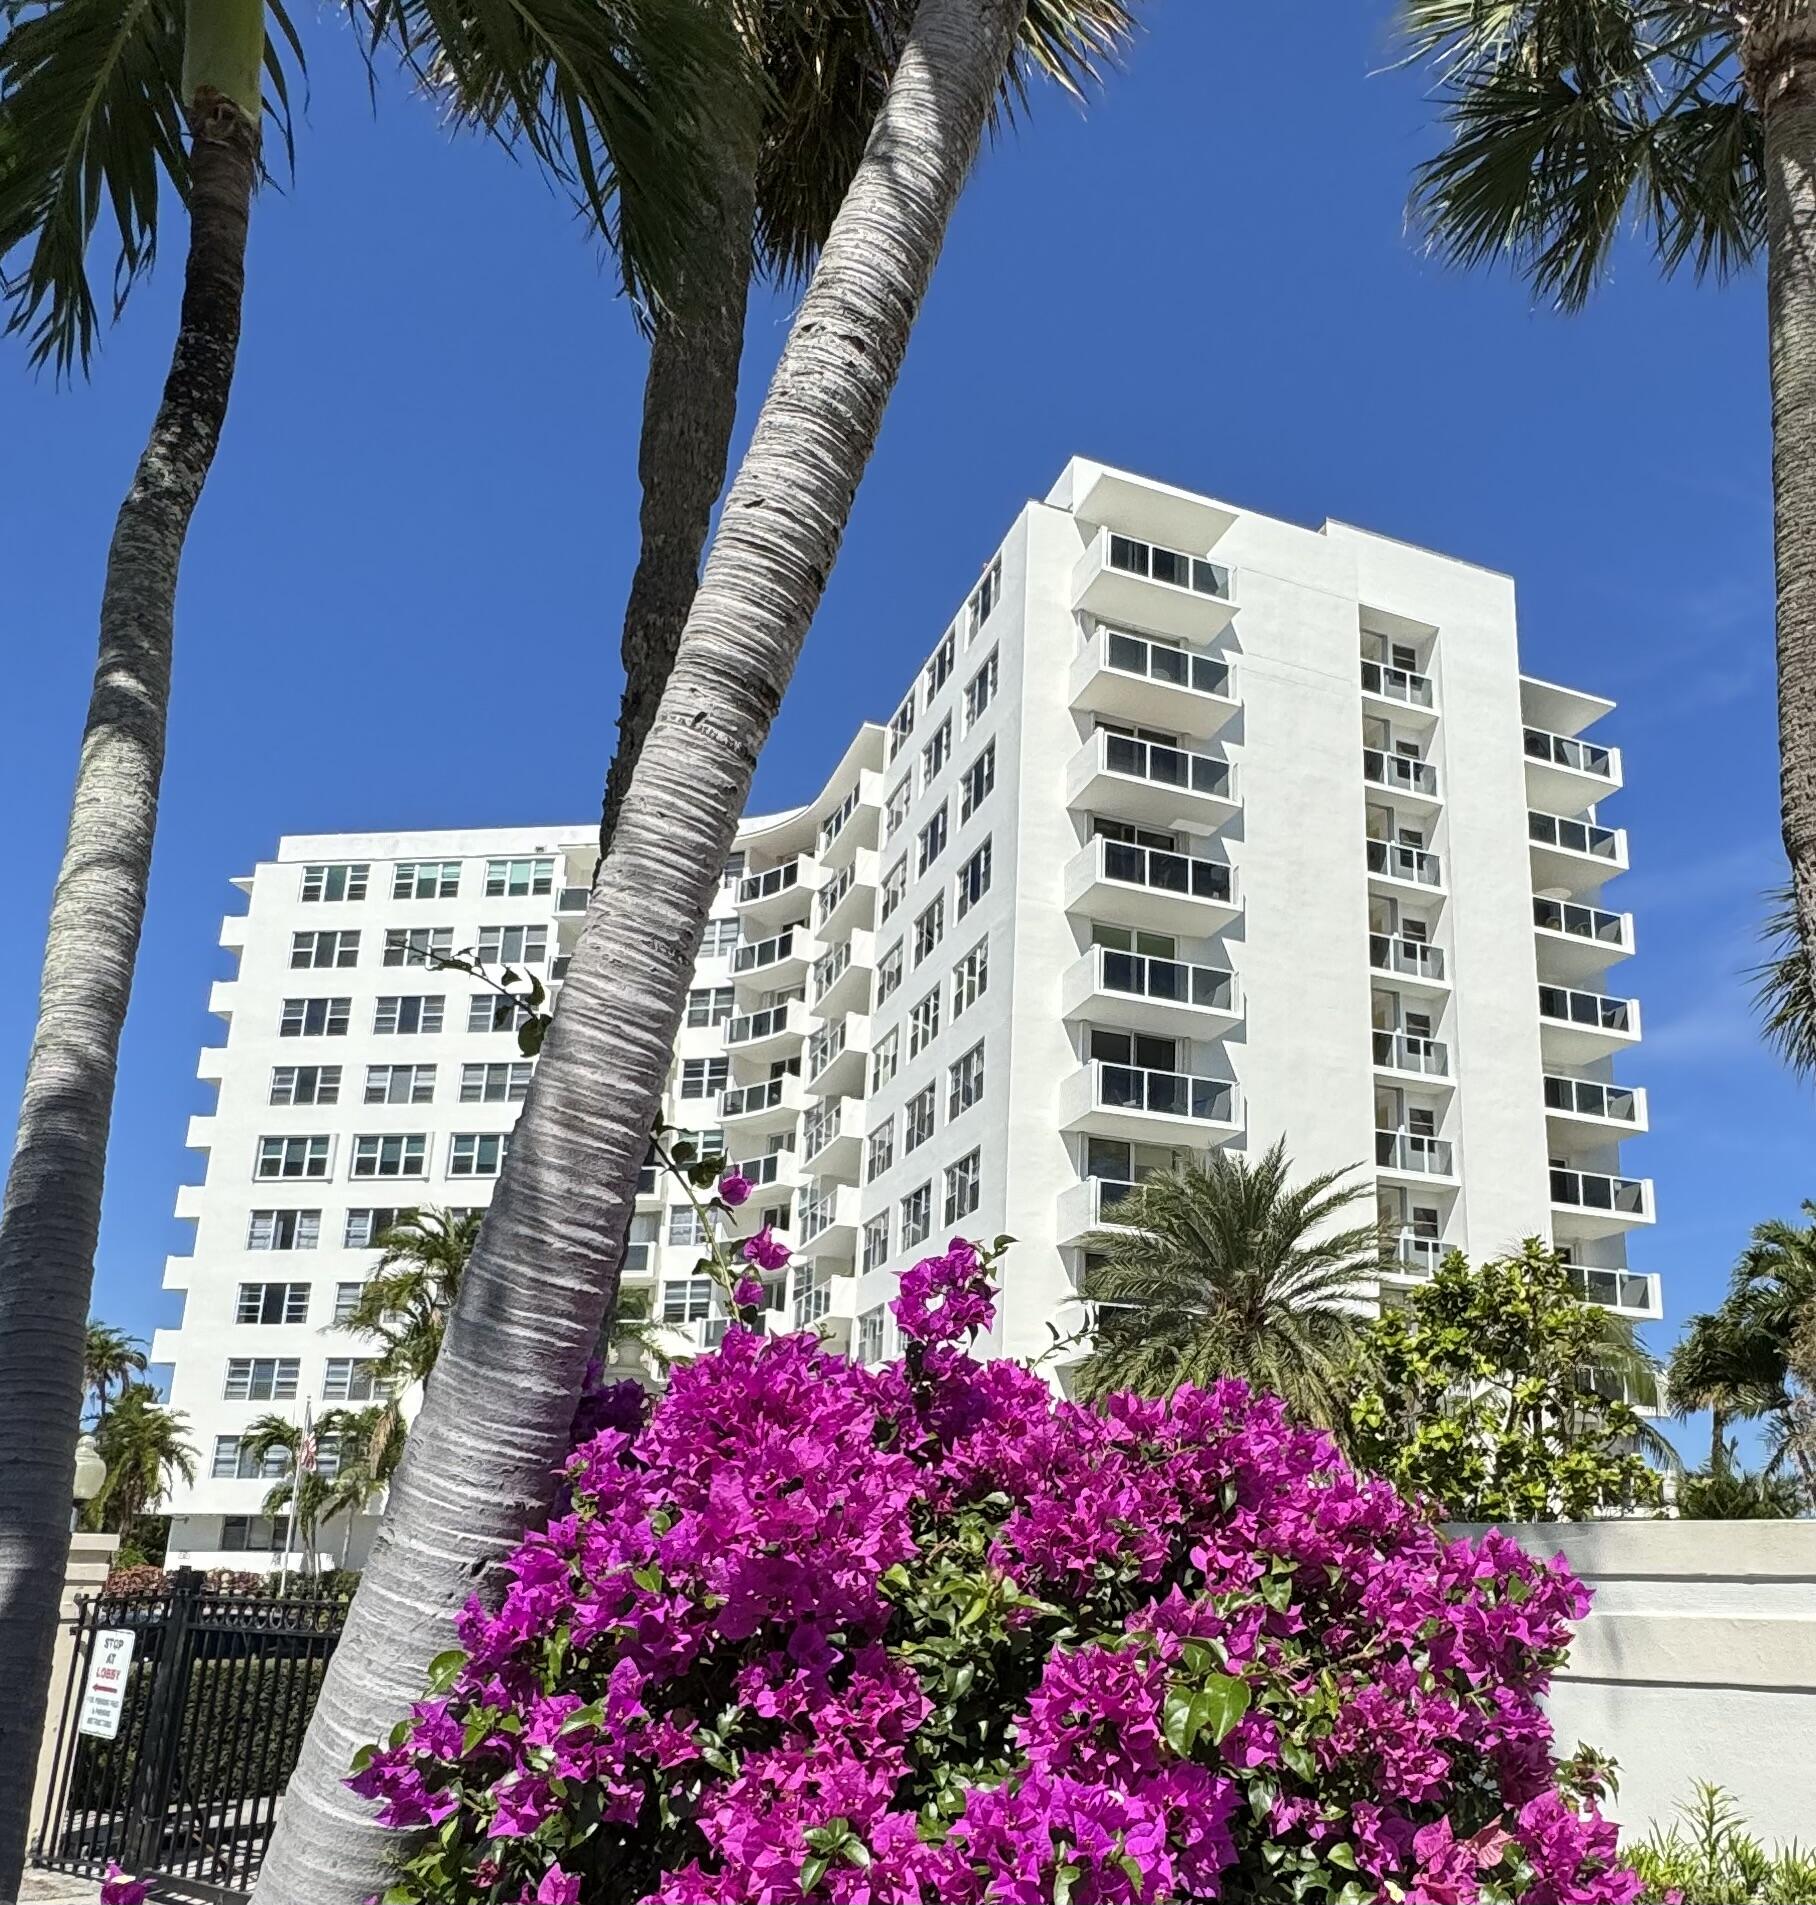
(1785, 988)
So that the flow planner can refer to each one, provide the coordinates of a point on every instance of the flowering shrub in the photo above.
(924, 1632)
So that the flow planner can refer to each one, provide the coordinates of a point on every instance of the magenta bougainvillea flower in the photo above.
(766, 1251)
(735, 1188)
(928, 1634)
(118, 1889)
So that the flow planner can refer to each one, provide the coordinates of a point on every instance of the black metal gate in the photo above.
(208, 1719)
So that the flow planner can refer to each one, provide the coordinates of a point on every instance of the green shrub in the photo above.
(1711, 1859)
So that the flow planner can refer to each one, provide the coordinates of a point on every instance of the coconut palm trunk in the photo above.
(51, 1215)
(482, 1454)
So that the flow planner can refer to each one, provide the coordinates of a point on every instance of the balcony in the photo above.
(1394, 865)
(854, 823)
(1147, 887)
(1408, 1053)
(1125, 1101)
(1151, 995)
(1152, 684)
(832, 1138)
(1146, 782)
(1562, 773)
(757, 1110)
(1630, 1292)
(1091, 1206)
(1120, 579)
(779, 962)
(1411, 1154)
(1412, 695)
(1577, 1026)
(1415, 962)
(829, 1222)
(1578, 942)
(840, 980)
(838, 1056)
(768, 900)
(1415, 1255)
(776, 1032)
(1573, 856)
(1593, 1204)
(848, 899)
(1588, 1107)
(1413, 783)
(773, 1170)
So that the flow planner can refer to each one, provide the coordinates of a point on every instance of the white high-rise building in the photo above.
(1196, 828)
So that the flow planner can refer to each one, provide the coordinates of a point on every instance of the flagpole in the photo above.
(304, 1453)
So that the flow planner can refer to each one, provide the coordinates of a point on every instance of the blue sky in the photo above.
(401, 597)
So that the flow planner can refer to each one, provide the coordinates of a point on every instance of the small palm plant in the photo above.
(147, 1449)
(1227, 1269)
(404, 1306)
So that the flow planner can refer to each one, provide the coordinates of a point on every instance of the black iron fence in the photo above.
(181, 1722)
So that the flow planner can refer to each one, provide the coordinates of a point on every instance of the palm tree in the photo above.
(368, 1445)
(110, 1360)
(1226, 1269)
(146, 1449)
(776, 188)
(405, 1304)
(1725, 1364)
(1694, 121)
(492, 1430)
(1784, 992)
(1773, 1292)
(305, 1486)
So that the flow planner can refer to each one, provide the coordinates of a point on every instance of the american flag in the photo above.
(306, 1451)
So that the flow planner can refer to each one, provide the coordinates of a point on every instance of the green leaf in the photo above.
(1226, 1701)
(530, 1035)
(400, 1895)
(443, 1669)
(1064, 1878)
(1277, 1591)
(813, 1870)
(1299, 1759)
(1343, 1854)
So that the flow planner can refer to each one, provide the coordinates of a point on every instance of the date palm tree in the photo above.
(147, 1450)
(485, 1447)
(102, 104)
(110, 1360)
(777, 186)
(404, 1306)
(1693, 122)
(1725, 1364)
(1227, 1269)
(307, 1487)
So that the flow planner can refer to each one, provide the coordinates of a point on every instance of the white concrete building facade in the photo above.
(1196, 828)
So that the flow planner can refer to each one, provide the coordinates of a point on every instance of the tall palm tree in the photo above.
(485, 1446)
(1784, 991)
(103, 102)
(1774, 1292)
(110, 1360)
(1725, 1364)
(405, 1304)
(147, 1450)
(368, 1445)
(776, 188)
(1227, 1269)
(1695, 122)
(306, 1487)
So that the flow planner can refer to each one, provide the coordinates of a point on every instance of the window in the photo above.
(939, 669)
(966, 1079)
(324, 949)
(924, 1023)
(917, 1216)
(477, 1153)
(400, 1084)
(931, 841)
(709, 1005)
(417, 945)
(639, 1246)
(721, 937)
(979, 778)
(305, 1084)
(254, 1534)
(974, 879)
(365, 1227)
(284, 1230)
(315, 1018)
(687, 1301)
(917, 1120)
(293, 1157)
(272, 1303)
(425, 880)
(495, 1084)
(351, 1379)
(936, 753)
(876, 1241)
(895, 886)
(703, 1077)
(870, 1335)
(261, 1379)
(346, 1300)
(494, 1012)
(686, 1227)
(409, 1012)
(882, 1060)
(1141, 1049)
(984, 598)
(879, 1153)
(343, 882)
(901, 725)
(513, 945)
(929, 928)
(731, 873)
(971, 978)
(401, 1154)
(980, 691)
(519, 879)
(961, 1188)
(233, 1462)
(889, 972)
(897, 809)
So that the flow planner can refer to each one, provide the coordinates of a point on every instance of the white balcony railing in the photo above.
(1140, 976)
(1586, 1098)
(1561, 751)
(765, 1170)
(1411, 1151)
(1414, 958)
(1595, 1009)
(1614, 1289)
(1407, 1052)
(744, 1101)
(825, 1045)
(1575, 836)
(749, 1028)
(1413, 1250)
(1164, 1094)
(829, 969)
(766, 952)
(763, 886)
(1597, 1191)
(1164, 766)
(829, 897)
(834, 823)
(1171, 566)
(1155, 661)
(821, 1126)
(1398, 684)
(1581, 922)
(1401, 772)
(1165, 872)
(1396, 862)
(813, 1298)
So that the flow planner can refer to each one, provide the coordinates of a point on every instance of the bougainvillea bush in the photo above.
(924, 1634)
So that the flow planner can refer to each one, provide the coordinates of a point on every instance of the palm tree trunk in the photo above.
(1718, 1440)
(690, 408)
(51, 1214)
(497, 1410)
(1782, 75)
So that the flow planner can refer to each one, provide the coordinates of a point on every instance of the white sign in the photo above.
(104, 1691)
